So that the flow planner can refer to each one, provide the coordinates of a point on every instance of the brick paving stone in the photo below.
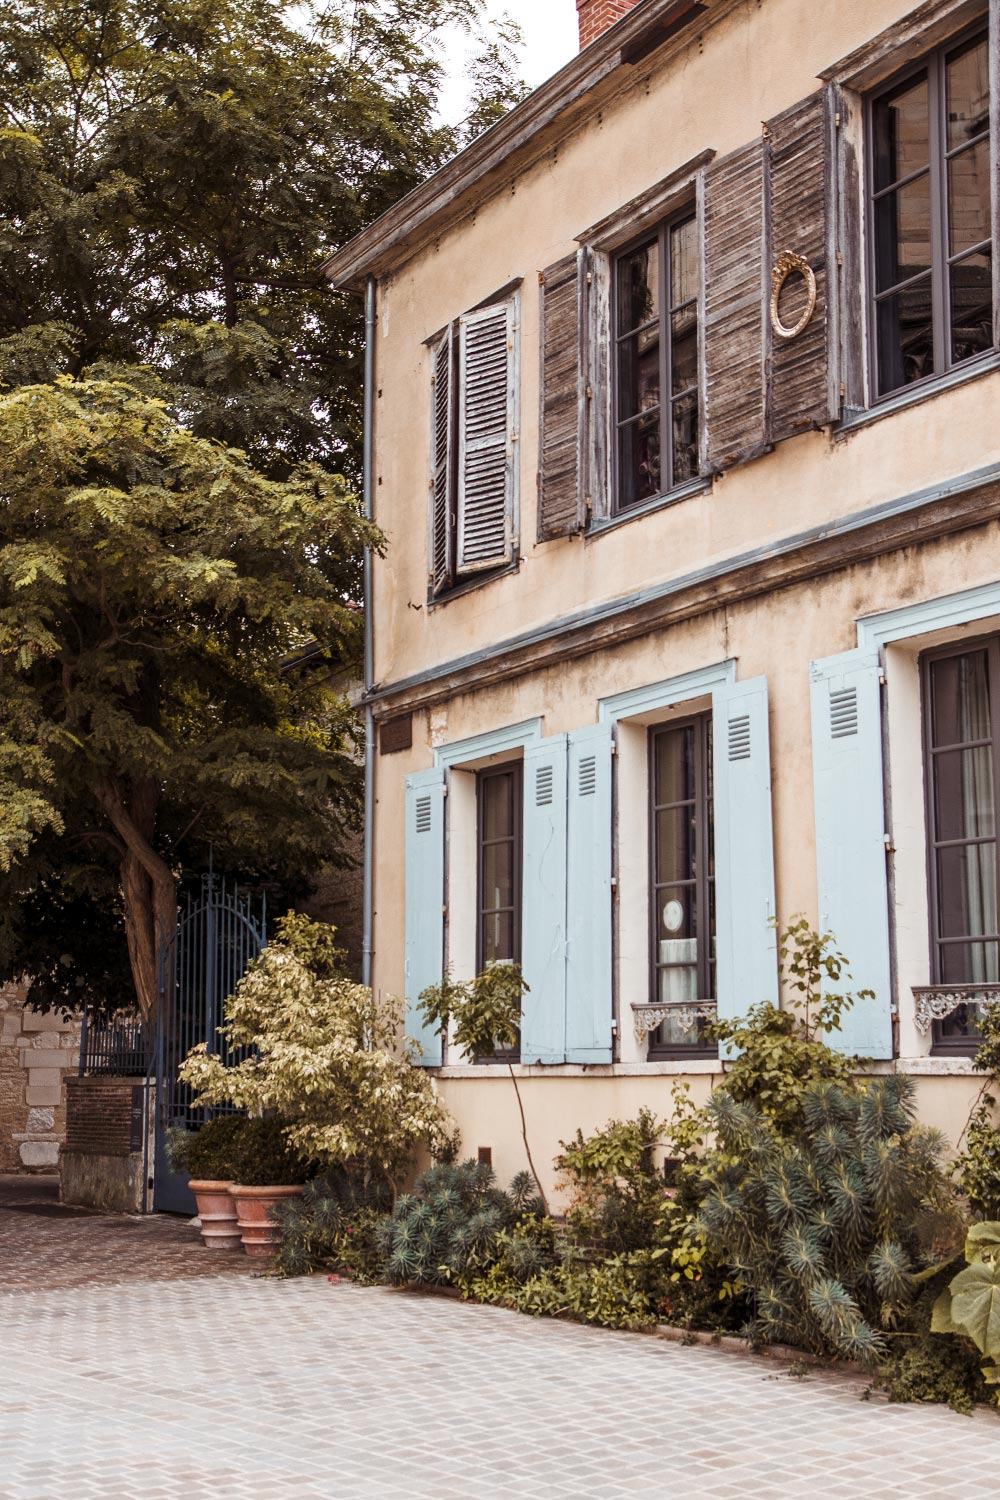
(143, 1369)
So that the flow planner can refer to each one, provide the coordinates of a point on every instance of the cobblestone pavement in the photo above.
(44, 1243)
(236, 1388)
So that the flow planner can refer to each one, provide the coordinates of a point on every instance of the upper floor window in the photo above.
(931, 217)
(961, 699)
(682, 878)
(656, 363)
(473, 480)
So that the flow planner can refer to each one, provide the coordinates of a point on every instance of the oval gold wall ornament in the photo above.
(787, 264)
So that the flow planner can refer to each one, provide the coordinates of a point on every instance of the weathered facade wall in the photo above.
(37, 1052)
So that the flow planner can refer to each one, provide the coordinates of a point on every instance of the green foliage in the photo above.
(207, 1153)
(928, 1367)
(617, 1195)
(486, 1011)
(449, 1227)
(979, 1164)
(827, 1226)
(181, 392)
(333, 1227)
(233, 1148)
(970, 1304)
(781, 1053)
(326, 1058)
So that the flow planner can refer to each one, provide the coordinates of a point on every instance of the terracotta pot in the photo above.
(217, 1213)
(253, 1209)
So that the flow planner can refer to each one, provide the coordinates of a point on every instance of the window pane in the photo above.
(903, 233)
(969, 963)
(498, 938)
(639, 374)
(498, 806)
(498, 875)
(963, 1023)
(967, 891)
(902, 137)
(961, 699)
(674, 754)
(683, 263)
(685, 427)
(684, 343)
(968, 92)
(963, 794)
(905, 334)
(639, 459)
(677, 925)
(639, 287)
(971, 307)
(675, 850)
(969, 197)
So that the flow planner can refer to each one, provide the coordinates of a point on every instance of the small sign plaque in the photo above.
(395, 734)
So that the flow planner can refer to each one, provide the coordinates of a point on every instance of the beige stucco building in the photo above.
(685, 439)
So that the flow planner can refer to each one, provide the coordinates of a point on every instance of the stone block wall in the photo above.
(37, 1052)
(101, 1162)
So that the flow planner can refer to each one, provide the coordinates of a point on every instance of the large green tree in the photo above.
(179, 394)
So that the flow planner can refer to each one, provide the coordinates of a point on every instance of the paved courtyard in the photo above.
(149, 1382)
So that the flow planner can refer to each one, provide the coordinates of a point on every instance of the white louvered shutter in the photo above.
(442, 466)
(486, 445)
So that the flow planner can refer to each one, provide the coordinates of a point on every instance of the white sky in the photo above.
(551, 38)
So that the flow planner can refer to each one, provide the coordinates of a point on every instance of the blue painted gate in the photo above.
(217, 935)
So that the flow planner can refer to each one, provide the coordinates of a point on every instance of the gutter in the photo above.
(368, 493)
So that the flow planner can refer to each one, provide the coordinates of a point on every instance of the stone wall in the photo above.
(101, 1162)
(36, 1053)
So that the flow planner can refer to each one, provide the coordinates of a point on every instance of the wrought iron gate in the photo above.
(216, 937)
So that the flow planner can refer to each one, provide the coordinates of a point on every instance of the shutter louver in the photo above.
(424, 864)
(485, 454)
(588, 903)
(734, 314)
(802, 393)
(563, 397)
(746, 943)
(543, 922)
(442, 468)
(850, 840)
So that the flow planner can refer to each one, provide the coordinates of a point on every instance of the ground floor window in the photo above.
(682, 880)
(961, 700)
(499, 861)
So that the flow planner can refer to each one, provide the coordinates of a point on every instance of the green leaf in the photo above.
(941, 1318)
(983, 1242)
(975, 1305)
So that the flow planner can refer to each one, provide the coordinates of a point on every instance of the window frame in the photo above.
(934, 63)
(943, 1046)
(658, 234)
(703, 882)
(515, 770)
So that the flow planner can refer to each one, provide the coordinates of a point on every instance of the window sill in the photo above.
(914, 395)
(601, 524)
(476, 581)
(657, 1069)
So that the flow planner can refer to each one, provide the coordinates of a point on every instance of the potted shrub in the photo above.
(267, 1170)
(207, 1154)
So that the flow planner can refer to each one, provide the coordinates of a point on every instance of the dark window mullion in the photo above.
(666, 365)
(901, 182)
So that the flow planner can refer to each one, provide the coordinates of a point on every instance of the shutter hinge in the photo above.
(541, 278)
(840, 258)
(887, 841)
(444, 912)
(588, 507)
(590, 278)
(590, 393)
(843, 390)
(614, 882)
(882, 679)
(444, 790)
(837, 119)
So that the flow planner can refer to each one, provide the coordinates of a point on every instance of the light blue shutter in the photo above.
(424, 901)
(543, 923)
(850, 839)
(746, 943)
(588, 920)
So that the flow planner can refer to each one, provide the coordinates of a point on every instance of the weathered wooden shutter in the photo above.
(589, 1003)
(850, 839)
(746, 943)
(994, 48)
(543, 924)
(734, 306)
(442, 466)
(562, 398)
(801, 371)
(486, 443)
(424, 865)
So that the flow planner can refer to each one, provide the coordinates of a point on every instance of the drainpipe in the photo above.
(368, 495)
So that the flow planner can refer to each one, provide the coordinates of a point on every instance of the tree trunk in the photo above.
(149, 886)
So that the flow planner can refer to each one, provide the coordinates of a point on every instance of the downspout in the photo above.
(368, 497)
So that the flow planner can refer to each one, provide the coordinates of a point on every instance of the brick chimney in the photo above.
(597, 15)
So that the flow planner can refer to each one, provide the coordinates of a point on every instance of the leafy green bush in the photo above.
(828, 1227)
(781, 1053)
(232, 1148)
(333, 1227)
(205, 1153)
(970, 1304)
(979, 1164)
(448, 1228)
